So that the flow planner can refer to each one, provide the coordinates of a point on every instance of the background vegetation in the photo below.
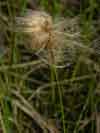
(35, 98)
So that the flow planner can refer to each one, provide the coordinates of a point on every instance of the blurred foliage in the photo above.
(68, 97)
(52, 6)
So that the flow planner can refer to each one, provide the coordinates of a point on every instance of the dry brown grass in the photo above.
(50, 37)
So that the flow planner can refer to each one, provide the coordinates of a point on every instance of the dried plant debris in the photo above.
(56, 41)
(44, 35)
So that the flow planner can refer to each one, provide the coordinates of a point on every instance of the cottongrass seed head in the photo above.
(53, 40)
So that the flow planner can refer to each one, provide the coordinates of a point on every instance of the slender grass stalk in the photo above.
(60, 97)
(81, 115)
(92, 102)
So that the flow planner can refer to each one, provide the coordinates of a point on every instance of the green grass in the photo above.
(35, 97)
